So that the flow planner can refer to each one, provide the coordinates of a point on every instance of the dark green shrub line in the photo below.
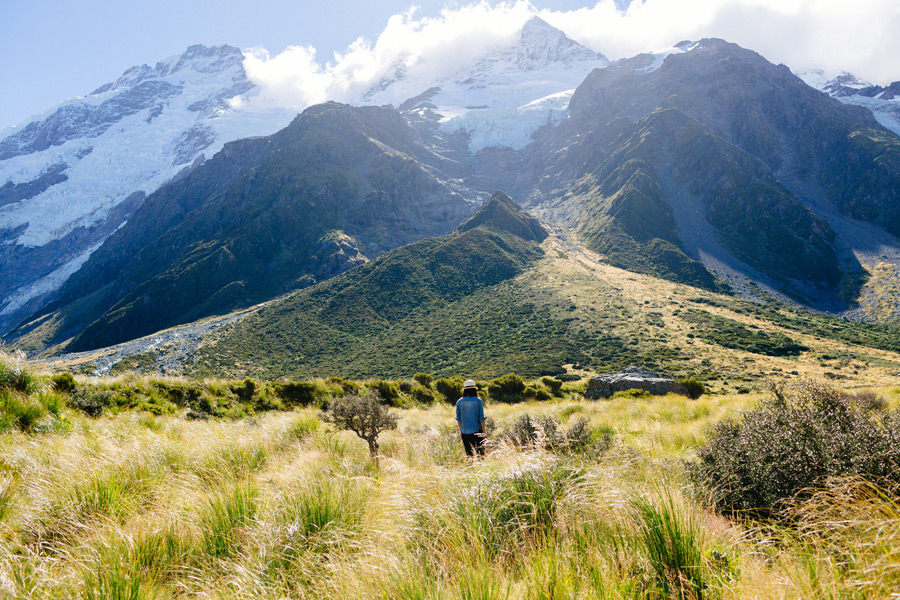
(728, 333)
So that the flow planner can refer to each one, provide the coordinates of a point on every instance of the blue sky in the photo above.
(56, 49)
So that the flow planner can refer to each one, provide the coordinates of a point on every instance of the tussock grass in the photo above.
(283, 506)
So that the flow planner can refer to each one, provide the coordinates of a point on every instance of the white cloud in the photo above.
(852, 35)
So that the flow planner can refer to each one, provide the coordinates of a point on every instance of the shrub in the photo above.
(64, 382)
(423, 395)
(296, 393)
(348, 387)
(633, 393)
(568, 377)
(245, 391)
(92, 401)
(797, 437)
(539, 394)
(363, 415)
(509, 388)
(554, 385)
(450, 388)
(424, 379)
(694, 387)
(867, 400)
(388, 391)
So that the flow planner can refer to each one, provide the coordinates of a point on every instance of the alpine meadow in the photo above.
(252, 305)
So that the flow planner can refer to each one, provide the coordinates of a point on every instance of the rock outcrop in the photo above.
(631, 378)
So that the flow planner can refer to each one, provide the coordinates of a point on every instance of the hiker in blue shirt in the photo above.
(470, 418)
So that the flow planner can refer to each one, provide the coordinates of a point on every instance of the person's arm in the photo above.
(458, 419)
(481, 417)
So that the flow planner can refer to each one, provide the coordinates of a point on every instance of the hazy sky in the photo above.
(56, 49)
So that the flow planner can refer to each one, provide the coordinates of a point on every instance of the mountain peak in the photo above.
(541, 44)
(199, 58)
(502, 213)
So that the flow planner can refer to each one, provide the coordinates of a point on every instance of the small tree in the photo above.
(363, 415)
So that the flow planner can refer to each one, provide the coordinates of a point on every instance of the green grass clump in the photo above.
(223, 515)
(16, 375)
(303, 427)
(495, 514)
(673, 543)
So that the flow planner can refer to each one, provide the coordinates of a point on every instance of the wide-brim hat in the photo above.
(469, 383)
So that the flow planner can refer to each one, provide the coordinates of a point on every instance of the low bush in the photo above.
(422, 395)
(388, 391)
(64, 382)
(423, 379)
(553, 384)
(799, 436)
(450, 388)
(509, 388)
(632, 393)
(694, 387)
(535, 393)
(296, 393)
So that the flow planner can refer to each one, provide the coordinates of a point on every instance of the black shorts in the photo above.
(473, 443)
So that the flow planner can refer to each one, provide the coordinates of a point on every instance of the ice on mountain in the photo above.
(502, 98)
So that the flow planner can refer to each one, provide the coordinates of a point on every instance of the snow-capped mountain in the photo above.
(73, 175)
(884, 102)
(500, 99)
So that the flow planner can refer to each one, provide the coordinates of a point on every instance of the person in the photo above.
(470, 419)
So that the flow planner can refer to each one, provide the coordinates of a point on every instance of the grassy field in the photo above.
(279, 505)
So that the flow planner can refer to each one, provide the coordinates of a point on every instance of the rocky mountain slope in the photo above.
(72, 176)
(716, 157)
(338, 186)
(702, 164)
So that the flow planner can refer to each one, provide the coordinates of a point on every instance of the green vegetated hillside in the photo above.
(469, 301)
(264, 216)
(484, 301)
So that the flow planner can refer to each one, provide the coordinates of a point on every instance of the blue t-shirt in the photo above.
(470, 414)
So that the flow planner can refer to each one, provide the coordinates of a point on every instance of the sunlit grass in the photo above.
(282, 506)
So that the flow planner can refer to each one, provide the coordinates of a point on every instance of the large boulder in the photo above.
(604, 386)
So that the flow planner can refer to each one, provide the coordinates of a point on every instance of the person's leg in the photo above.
(468, 443)
(479, 444)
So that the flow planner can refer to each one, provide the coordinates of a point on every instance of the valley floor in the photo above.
(280, 506)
